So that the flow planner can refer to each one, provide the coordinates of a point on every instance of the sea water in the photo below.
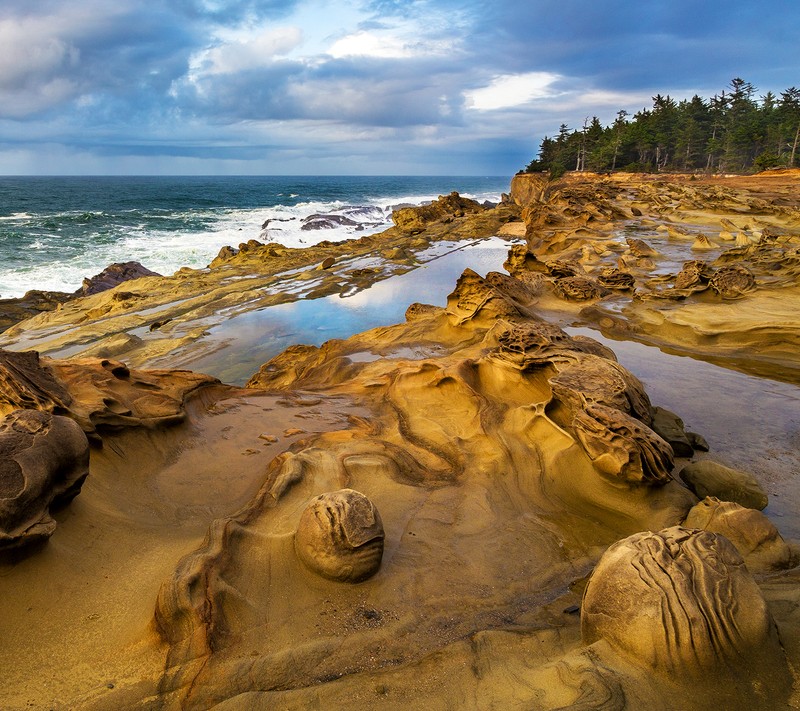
(54, 231)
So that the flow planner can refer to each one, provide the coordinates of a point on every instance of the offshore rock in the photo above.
(113, 275)
(44, 460)
(327, 222)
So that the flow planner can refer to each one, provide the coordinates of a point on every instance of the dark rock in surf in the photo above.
(113, 275)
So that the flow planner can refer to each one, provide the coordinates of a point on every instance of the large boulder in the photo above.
(680, 603)
(44, 460)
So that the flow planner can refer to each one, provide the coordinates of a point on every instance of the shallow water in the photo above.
(243, 343)
(750, 422)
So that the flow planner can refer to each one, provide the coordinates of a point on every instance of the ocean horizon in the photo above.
(57, 230)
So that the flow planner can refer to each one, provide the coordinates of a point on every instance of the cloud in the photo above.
(243, 50)
(373, 44)
(327, 83)
(35, 64)
(512, 90)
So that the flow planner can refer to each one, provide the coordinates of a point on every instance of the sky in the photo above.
(364, 87)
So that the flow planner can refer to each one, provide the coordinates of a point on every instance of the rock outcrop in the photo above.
(113, 275)
(681, 604)
(44, 460)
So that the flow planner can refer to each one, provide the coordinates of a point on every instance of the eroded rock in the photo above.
(44, 460)
(614, 278)
(413, 220)
(622, 447)
(113, 275)
(670, 427)
(340, 536)
(754, 535)
(694, 276)
(709, 478)
(577, 288)
(678, 601)
(732, 281)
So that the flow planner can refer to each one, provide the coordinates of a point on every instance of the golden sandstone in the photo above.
(521, 472)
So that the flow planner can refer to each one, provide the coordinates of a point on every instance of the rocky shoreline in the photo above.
(469, 509)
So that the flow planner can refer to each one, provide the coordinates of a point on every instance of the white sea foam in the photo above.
(165, 241)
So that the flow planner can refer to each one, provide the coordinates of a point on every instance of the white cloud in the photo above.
(368, 44)
(510, 90)
(384, 44)
(243, 50)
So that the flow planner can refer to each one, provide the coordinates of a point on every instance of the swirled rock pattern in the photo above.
(44, 460)
(340, 536)
(504, 452)
(756, 538)
(678, 601)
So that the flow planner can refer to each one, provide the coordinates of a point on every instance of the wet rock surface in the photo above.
(227, 552)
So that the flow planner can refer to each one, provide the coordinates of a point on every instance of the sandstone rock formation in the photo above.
(709, 478)
(680, 603)
(751, 532)
(32, 303)
(44, 460)
(227, 551)
(340, 536)
(113, 275)
(651, 228)
(99, 394)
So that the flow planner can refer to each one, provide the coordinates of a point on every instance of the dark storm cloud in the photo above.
(208, 78)
(627, 45)
(364, 91)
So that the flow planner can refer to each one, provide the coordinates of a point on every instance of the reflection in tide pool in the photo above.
(751, 423)
(247, 341)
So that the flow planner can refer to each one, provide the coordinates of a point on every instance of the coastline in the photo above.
(465, 423)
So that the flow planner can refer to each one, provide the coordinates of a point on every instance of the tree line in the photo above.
(733, 132)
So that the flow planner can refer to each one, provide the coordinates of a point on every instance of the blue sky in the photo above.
(359, 87)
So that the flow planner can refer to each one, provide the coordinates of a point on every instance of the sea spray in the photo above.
(54, 231)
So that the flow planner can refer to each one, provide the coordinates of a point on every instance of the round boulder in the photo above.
(340, 536)
(678, 601)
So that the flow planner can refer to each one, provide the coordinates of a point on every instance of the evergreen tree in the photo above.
(732, 131)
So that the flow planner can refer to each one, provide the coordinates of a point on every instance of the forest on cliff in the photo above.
(733, 132)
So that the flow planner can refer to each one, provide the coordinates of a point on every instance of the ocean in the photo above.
(54, 231)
